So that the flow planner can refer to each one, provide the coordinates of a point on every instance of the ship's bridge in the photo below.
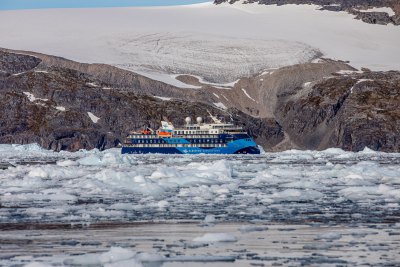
(214, 128)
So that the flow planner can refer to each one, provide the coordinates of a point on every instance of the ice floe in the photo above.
(89, 186)
(215, 237)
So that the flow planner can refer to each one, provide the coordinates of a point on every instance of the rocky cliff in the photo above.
(71, 108)
(66, 105)
(350, 111)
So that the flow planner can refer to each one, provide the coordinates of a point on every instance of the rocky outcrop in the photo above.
(17, 63)
(112, 77)
(396, 20)
(347, 111)
(65, 105)
(381, 18)
(351, 6)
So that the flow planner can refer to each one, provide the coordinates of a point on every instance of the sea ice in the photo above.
(215, 237)
(329, 236)
(272, 186)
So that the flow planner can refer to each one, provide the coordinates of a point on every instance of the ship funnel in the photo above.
(188, 120)
(199, 120)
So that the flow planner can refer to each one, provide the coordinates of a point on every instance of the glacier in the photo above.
(234, 41)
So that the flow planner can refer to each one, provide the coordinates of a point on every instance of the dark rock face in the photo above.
(396, 20)
(350, 112)
(16, 63)
(341, 5)
(51, 107)
(381, 18)
(47, 100)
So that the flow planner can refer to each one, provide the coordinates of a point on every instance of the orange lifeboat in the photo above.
(164, 134)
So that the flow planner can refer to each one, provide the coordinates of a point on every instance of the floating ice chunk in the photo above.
(116, 254)
(163, 204)
(83, 260)
(66, 163)
(148, 257)
(357, 193)
(90, 160)
(29, 147)
(111, 158)
(296, 195)
(355, 179)
(396, 226)
(131, 181)
(125, 206)
(205, 258)
(329, 236)
(333, 151)
(38, 172)
(302, 184)
(215, 237)
(378, 247)
(367, 150)
(388, 191)
(37, 264)
(210, 219)
(263, 178)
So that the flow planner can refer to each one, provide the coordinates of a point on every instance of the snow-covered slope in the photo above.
(219, 43)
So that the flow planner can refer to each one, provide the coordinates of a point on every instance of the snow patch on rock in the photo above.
(93, 117)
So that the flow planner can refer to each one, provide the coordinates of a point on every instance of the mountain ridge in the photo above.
(52, 101)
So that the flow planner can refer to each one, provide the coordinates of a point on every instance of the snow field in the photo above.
(234, 41)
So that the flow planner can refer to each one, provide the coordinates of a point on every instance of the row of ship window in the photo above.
(195, 132)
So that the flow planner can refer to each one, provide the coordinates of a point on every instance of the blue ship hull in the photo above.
(191, 150)
(224, 144)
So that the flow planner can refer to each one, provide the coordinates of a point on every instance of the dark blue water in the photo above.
(37, 4)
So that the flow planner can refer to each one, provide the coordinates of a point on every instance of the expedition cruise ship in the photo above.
(199, 138)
